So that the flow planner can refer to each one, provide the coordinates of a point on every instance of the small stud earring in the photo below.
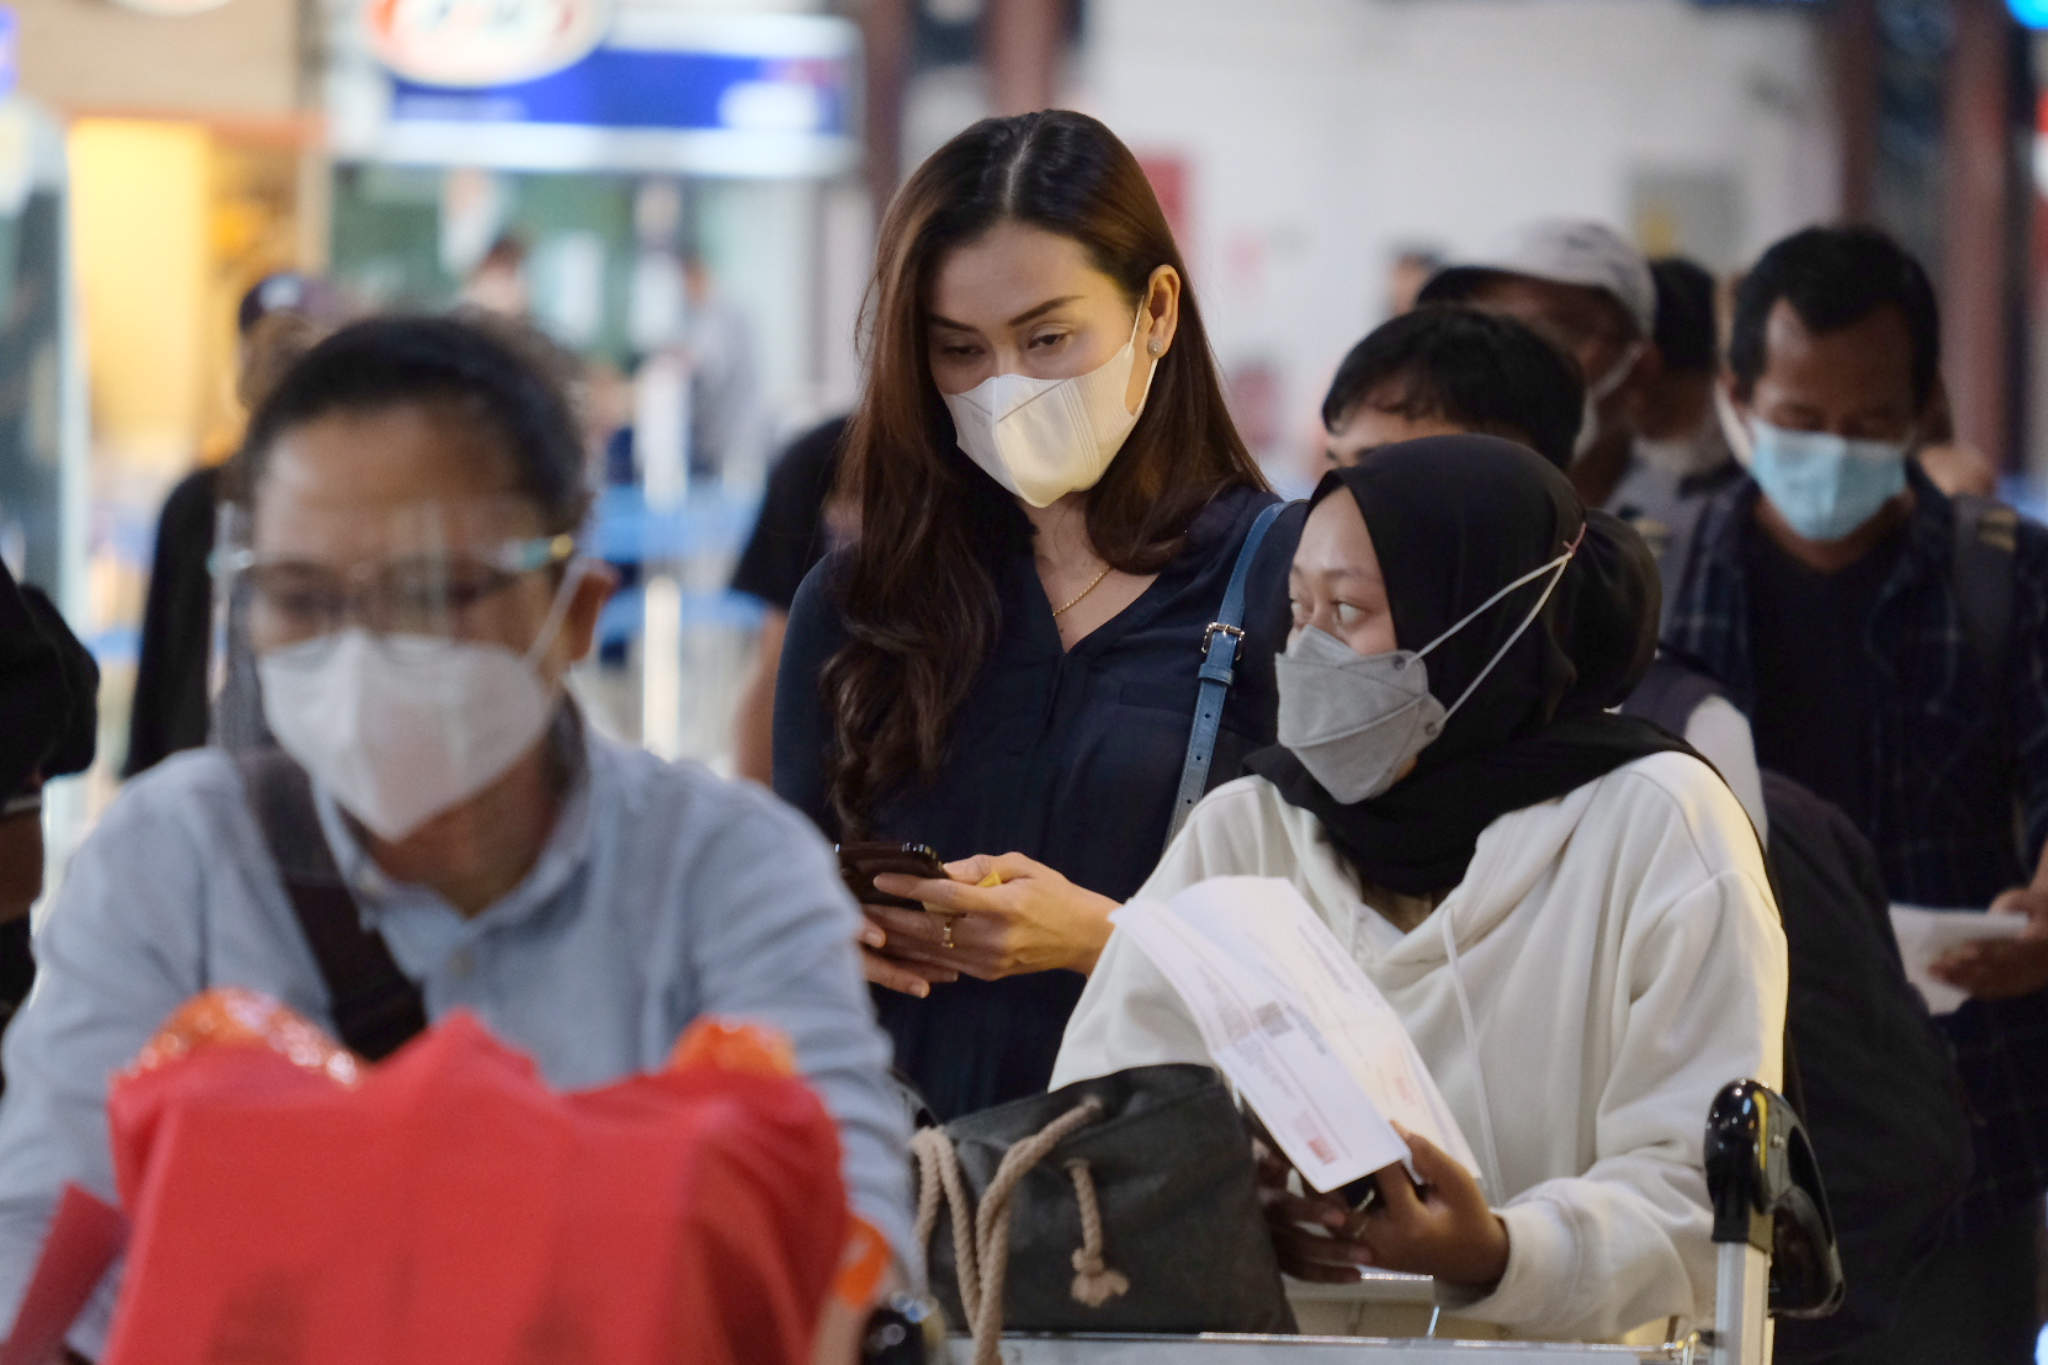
(1153, 347)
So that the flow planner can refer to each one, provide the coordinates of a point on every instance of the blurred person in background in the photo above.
(606, 407)
(1682, 453)
(1052, 504)
(49, 723)
(1411, 269)
(727, 423)
(416, 592)
(1444, 368)
(1585, 288)
(613, 463)
(497, 282)
(798, 523)
(1408, 270)
(1957, 468)
(1890, 646)
(279, 319)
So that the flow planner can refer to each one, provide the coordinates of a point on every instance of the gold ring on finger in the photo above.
(946, 933)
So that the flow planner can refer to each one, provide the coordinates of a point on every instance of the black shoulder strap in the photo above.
(377, 1008)
(1987, 534)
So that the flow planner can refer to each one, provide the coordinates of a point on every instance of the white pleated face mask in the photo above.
(1045, 438)
(401, 728)
(1597, 393)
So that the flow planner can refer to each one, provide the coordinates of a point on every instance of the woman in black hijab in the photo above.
(1452, 520)
(1567, 909)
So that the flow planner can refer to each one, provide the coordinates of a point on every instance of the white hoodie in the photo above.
(1620, 953)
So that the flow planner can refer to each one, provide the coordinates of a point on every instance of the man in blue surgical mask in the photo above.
(1891, 647)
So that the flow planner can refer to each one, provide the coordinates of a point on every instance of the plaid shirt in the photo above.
(1949, 765)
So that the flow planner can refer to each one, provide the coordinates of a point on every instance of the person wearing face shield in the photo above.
(437, 827)
(1890, 645)
(1590, 293)
(1055, 626)
(1567, 907)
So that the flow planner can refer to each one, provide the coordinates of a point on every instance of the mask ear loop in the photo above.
(1733, 427)
(1614, 378)
(1156, 360)
(1558, 565)
(1490, 1149)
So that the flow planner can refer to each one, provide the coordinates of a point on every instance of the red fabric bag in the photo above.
(290, 1204)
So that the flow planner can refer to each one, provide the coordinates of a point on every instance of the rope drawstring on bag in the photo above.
(1094, 1282)
(981, 1236)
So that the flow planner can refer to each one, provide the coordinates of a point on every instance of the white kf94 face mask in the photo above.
(1045, 438)
(400, 728)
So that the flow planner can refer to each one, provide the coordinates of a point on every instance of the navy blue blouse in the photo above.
(1071, 757)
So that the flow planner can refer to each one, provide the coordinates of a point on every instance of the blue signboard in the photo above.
(772, 95)
(622, 88)
(2032, 13)
(10, 50)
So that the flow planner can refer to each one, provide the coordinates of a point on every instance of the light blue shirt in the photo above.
(664, 893)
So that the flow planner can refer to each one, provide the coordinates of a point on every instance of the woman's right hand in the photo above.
(895, 973)
(1444, 1229)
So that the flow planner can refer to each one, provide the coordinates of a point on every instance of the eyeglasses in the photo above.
(291, 600)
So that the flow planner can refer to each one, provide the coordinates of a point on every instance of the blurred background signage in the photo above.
(542, 85)
(170, 8)
(484, 42)
(10, 51)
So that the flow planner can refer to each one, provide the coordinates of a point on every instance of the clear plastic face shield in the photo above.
(405, 658)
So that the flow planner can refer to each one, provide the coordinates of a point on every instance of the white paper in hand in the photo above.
(1925, 935)
(1296, 1026)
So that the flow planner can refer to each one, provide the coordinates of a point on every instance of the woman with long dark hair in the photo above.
(1052, 502)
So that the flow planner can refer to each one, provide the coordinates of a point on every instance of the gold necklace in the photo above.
(1075, 601)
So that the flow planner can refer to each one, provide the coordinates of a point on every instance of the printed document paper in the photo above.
(1925, 935)
(1296, 1026)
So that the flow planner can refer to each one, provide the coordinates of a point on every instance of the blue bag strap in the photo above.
(1220, 646)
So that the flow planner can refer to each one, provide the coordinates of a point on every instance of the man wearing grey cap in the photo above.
(1582, 285)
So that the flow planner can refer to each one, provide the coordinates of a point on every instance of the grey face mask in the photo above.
(1354, 720)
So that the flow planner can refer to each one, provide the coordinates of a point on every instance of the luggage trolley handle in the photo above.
(1771, 1222)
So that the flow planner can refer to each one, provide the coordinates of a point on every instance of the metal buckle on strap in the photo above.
(1236, 634)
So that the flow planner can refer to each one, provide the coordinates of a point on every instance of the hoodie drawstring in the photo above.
(1490, 1153)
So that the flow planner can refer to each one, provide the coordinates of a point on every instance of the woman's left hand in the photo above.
(1445, 1228)
(1033, 920)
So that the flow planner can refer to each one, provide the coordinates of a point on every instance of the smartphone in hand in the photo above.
(861, 863)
